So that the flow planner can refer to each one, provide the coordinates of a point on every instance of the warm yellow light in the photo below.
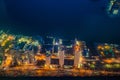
(99, 47)
(102, 53)
(77, 42)
(23, 57)
(8, 60)
(10, 45)
(19, 63)
(108, 66)
(117, 65)
(6, 49)
(51, 66)
(10, 38)
(81, 58)
(116, 51)
(40, 57)
(93, 62)
(107, 47)
(108, 61)
(3, 43)
(77, 48)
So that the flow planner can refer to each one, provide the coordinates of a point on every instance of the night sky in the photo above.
(84, 19)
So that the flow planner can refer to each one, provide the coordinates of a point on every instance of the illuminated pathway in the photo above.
(30, 70)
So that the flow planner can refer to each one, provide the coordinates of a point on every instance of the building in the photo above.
(106, 50)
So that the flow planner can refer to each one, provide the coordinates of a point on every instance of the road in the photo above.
(36, 71)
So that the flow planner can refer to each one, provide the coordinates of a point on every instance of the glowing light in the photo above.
(92, 66)
(56, 43)
(108, 61)
(7, 61)
(77, 48)
(108, 66)
(51, 66)
(99, 47)
(10, 38)
(117, 65)
(6, 49)
(40, 57)
(102, 53)
(3, 43)
(115, 12)
(107, 47)
(116, 51)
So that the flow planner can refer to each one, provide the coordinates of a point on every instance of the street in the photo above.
(36, 71)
